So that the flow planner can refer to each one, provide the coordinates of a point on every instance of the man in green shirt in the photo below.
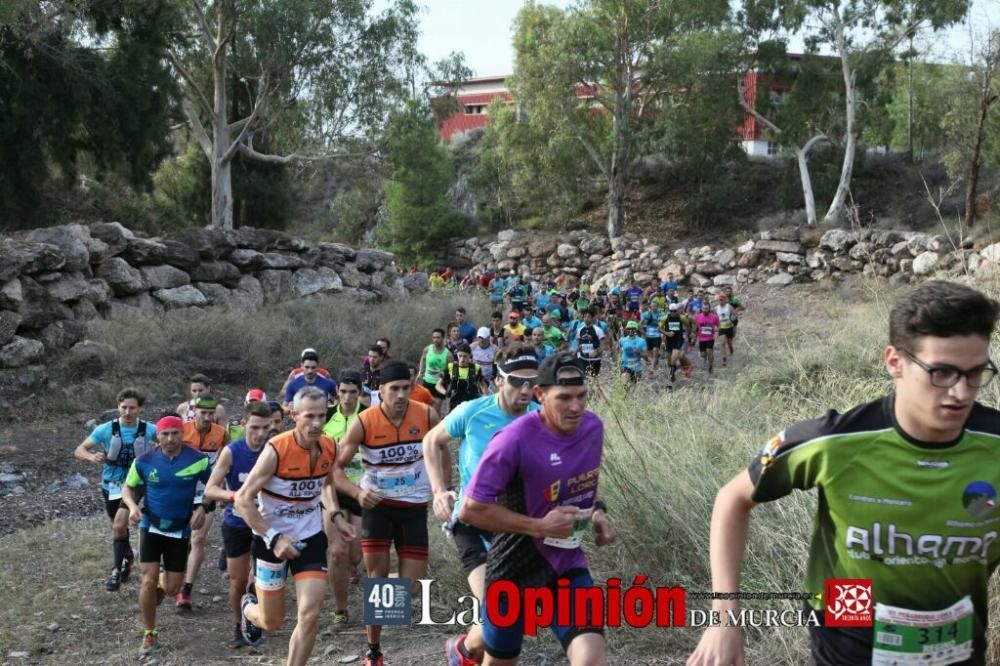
(554, 337)
(907, 500)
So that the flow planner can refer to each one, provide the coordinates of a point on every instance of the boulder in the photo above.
(180, 297)
(778, 246)
(749, 259)
(725, 258)
(71, 239)
(885, 238)
(248, 295)
(281, 260)
(863, 251)
(208, 242)
(789, 258)
(838, 240)
(351, 276)
(596, 245)
(746, 247)
(143, 252)
(277, 285)
(308, 281)
(290, 243)
(164, 276)
(789, 233)
(214, 293)
(39, 309)
(918, 243)
(517, 252)
(216, 271)
(991, 253)
(416, 282)
(18, 257)
(9, 321)
(246, 260)
(84, 310)
(781, 279)
(507, 235)
(180, 255)
(128, 308)
(819, 259)
(336, 255)
(255, 239)
(89, 358)
(111, 234)
(62, 335)
(121, 277)
(11, 294)
(724, 280)
(845, 264)
(369, 261)
(900, 249)
(542, 247)
(69, 287)
(20, 352)
(98, 292)
(708, 269)
(925, 263)
(700, 281)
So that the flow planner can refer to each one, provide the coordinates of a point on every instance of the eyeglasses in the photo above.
(516, 381)
(946, 376)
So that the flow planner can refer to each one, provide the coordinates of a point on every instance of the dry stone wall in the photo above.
(779, 256)
(54, 280)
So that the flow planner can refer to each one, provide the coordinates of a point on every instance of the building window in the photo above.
(475, 109)
(773, 148)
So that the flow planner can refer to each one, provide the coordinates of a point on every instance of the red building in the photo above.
(475, 96)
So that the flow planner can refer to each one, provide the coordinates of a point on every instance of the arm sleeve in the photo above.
(101, 435)
(206, 472)
(134, 479)
(795, 459)
(455, 422)
(496, 469)
(290, 392)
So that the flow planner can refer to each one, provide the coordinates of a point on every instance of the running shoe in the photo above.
(114, 581)
(251, 632)
(126, 567)
(340, 619)
(237, 641)
(148, 641)
(453, 653)
(373, 658)
(183, 601)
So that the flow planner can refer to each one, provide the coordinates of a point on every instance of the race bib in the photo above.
(673, 326)
(395, 483)
(176, 534)
(114, 490)
(587, 348)
(574, 540)
(652, 331)
(923, 638)
(707, 330)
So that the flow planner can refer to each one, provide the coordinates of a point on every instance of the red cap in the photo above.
(169, 423)
(515, 315)
(255, 394)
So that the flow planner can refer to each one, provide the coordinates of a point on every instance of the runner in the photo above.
(371, 372)
(724, 311)
(498, 334)
(589, 344)
(199, 385)
(532, 319)
(418, 391)
(169, 474)
(483, 353)
(461, 380)
(516, 292)
(539, 523)
(292, 477)
(737, 306)
(310, 377)
(453, 339)
(673, 329)
(706, 323)
(114, 445)
(907, 488)
(203, 435)
(554, 337)
(237, 427)
(343, 557)
(394, 489)
(472, 425)
(228, 475)
(514, 331)
(497, 289)
(633, 352)
(295, 373)
(433, 361)
(650, 321)
(466, 329)
(542, 349)
(633, 300)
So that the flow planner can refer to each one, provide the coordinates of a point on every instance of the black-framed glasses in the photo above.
(946, 376)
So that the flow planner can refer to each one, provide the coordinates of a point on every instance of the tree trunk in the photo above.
(802, 156)
(836, 210)
(973, 182)
(222, 172)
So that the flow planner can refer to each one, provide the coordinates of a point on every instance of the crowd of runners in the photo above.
(343, 468)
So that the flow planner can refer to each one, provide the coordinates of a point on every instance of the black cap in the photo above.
(548, 371)
(463, 347)
(350, 377)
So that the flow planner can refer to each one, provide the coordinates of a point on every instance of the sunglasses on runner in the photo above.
(516, 381)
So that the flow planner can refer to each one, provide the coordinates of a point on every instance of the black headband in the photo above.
(526, 362)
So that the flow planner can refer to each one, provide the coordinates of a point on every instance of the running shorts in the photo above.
(727, 332)
(676, 342)
(706, 344)
(406, 527)
(236, 541)
(472, 544)
(271, 574)
(111, 506)
(654, 343)
(505, 642)
(170, 552)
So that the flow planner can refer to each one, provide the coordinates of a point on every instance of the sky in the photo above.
(481, 29)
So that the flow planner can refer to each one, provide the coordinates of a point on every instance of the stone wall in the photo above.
(54, 280)
(780, 256)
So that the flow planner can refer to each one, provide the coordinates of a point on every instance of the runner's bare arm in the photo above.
(346, 449)
(220, 418)
(329, 499)
(437, 459)
(181, 409)
(727, 543)
(557, 523)
(87, 452)
(420, 365)
(215, 489)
